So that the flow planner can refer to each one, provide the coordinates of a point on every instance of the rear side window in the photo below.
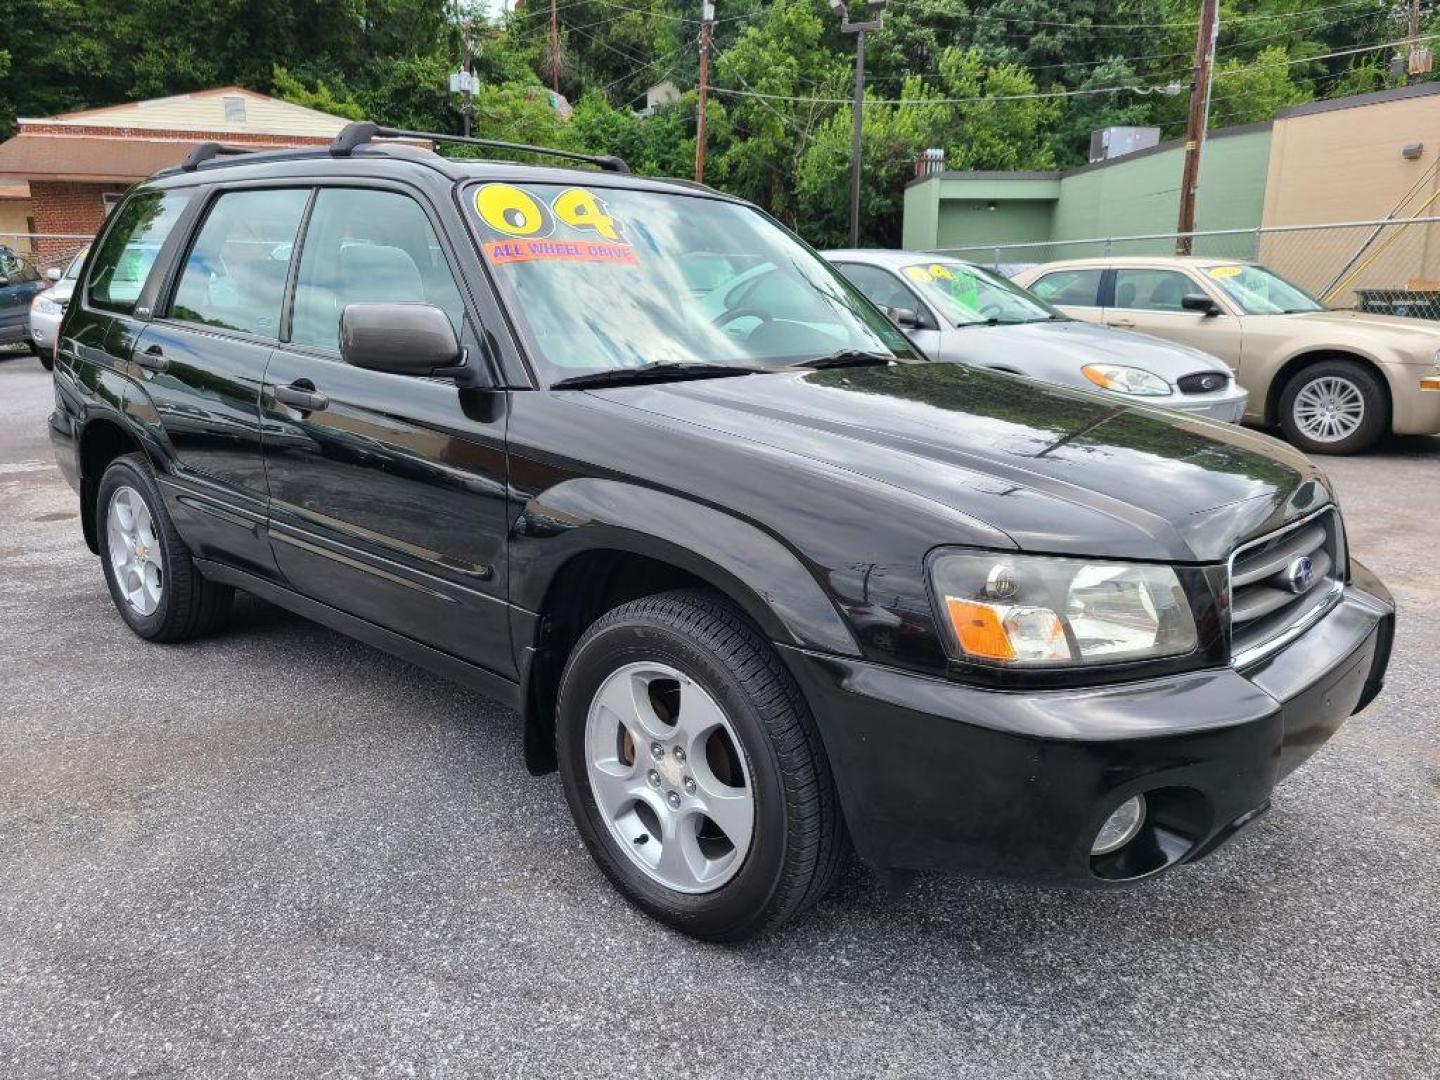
(234, 276)
(130, 248)
(1076, 288)
(365, 246)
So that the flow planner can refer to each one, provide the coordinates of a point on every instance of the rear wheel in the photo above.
(1333, 407)
(693, 769)
(152, 579)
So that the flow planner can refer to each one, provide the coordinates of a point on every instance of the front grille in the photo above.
(1270, 599)
(1202, 382)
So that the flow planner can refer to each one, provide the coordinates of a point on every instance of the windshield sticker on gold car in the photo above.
(1224, 271)
(575, 225)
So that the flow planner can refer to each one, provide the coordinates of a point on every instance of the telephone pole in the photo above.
(1196, 125)
(859, 29)
(554, 48)
(707, 23)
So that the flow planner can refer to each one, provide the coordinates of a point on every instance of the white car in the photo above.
(49, 305)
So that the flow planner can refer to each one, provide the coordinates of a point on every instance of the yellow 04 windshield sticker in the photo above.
(573, 226)
(1225, 271)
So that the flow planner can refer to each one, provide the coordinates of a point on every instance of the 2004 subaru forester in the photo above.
(763, 582)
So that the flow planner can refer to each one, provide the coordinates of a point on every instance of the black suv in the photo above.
(765, 585)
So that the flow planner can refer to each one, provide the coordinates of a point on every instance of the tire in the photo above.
(183, 604)
(47, 359)
(797, 840)
(1344, 386)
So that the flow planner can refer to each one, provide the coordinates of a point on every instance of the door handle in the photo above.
(302, 396)
(152, 359)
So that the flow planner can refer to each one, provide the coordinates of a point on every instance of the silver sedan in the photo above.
(955, 310)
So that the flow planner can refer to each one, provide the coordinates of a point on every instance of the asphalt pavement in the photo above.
(280, 853)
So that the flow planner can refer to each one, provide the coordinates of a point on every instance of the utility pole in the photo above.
(859, 29)
(465, 66)
(554, 48)
(707, 25)
(1196, 125)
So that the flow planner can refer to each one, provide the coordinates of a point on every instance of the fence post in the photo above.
(1255, 246)
(1106, 252)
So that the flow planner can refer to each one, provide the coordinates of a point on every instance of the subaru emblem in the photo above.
(1300, 574)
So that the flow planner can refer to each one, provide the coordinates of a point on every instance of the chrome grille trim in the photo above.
(1274, 615)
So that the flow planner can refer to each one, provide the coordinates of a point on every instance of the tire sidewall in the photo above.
(745, 897)
(1372, 425)
(123, 472)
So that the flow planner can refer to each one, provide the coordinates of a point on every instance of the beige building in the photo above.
(76, 165)
(17, 216)
(1363, 158)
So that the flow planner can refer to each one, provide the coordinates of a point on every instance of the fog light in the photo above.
(1120, 827)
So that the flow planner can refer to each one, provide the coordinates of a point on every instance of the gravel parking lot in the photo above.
(279, 853)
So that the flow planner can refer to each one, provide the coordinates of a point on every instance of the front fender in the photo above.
(759, 573)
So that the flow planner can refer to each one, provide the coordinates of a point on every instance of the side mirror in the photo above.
(905, 318)
(403, 339)
(53, 274)
(1201, 303)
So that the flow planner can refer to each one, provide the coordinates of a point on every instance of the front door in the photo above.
(1147, 299)
(203, 360)
(387, 492)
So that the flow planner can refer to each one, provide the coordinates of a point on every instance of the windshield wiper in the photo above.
(657, 372)
(845, 358)
(991, 321)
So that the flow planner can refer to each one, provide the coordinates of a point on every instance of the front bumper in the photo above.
(1227, 405)
(937, 775)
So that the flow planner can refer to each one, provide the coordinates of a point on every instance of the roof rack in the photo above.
(363, 131)
(208, 150)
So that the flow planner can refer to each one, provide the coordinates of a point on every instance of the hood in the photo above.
(1400, 331)
(1075, 343)
(1055, 470)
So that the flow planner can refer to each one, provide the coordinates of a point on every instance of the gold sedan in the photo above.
(1334, 381)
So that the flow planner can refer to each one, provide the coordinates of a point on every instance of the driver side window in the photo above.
(881, 287)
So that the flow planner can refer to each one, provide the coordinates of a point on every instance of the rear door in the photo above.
(1077, 292)
(1147, 299)
(387, 492)
(203, 358)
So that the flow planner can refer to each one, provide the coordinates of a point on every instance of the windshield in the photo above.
(1261, 292)
(966, 294)
(605, 279)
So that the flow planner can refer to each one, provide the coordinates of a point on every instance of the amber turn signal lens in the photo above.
(1430, 382)
(979, 630)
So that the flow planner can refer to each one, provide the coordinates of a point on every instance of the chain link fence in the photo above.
(1391, 266)
(45, 251)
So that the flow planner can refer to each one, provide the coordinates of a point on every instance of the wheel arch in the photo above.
(565, 577)
(103, 438)
(1302, 360)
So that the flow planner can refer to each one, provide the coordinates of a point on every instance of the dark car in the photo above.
(764, 584)
(19, 283)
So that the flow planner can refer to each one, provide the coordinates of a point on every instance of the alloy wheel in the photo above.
(135, 554)
(669, 777)
(1329, 409)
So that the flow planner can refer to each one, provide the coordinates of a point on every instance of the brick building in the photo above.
(78, 164)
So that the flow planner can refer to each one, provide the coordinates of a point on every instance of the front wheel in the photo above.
(1333, 407)
(693, 769)
(46, 357)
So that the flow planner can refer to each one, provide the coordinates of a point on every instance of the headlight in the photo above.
(1436, 360)
(1034, 611)
(43, 305)
(1126, 380)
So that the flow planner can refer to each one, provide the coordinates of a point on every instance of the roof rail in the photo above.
(363, 131)
(207, 150)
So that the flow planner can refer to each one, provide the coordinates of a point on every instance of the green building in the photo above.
(1133, 195)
